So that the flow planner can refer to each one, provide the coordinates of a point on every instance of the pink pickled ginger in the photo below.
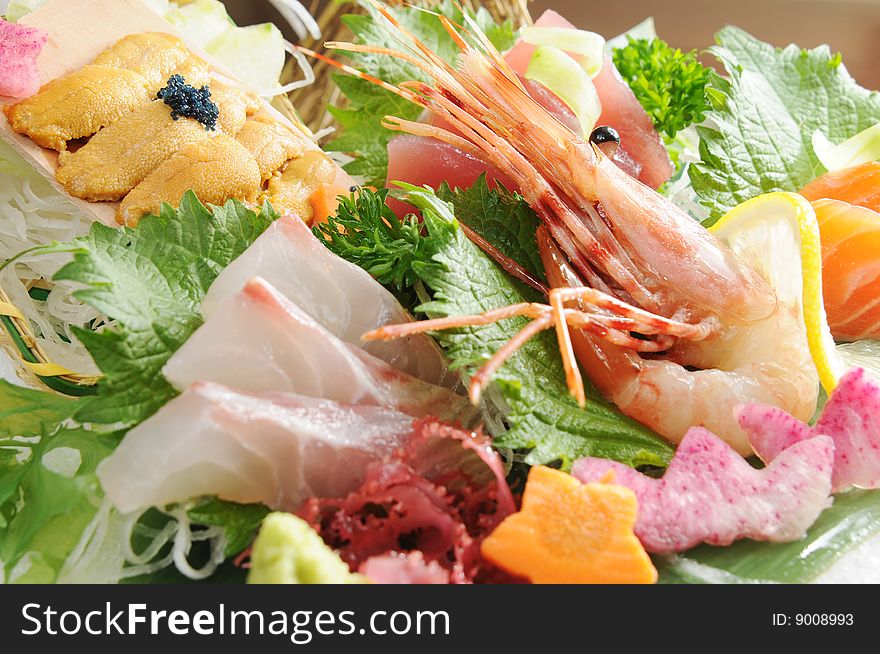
(403, 568)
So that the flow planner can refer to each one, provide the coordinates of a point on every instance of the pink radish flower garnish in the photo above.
(403, 568)
(20, 45)
(710, 494)
(851, 418)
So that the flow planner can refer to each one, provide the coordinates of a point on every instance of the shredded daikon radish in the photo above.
(32, 213)
(105, 552)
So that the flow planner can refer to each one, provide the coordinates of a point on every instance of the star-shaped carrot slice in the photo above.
(568, 532)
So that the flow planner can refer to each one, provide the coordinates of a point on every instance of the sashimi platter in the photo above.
(432, 293)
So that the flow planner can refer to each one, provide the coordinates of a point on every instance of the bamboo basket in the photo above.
(18, 338)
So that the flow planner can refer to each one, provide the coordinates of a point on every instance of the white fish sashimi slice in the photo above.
(258, 340)
(274, 448)
(341, 297)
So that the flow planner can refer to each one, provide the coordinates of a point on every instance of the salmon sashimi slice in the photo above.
(850, 268)
(259, 340)
(274, 448)
(857, 185)
(78, 105)
(215, 169)
(340, 296)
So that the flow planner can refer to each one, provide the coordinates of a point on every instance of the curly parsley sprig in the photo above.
(366, 232)
(670, 84)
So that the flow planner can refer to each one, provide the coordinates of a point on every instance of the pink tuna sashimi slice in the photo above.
(642, 149)
(540, 94)
(339, 295)
(710, 494)
(20, 45)
(423, 160)
(420, 160)
(851, 418)
(519, 56)
(274, 448)
(622, 111)
(258, 340)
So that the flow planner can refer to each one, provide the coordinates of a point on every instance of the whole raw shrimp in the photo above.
(661, 316)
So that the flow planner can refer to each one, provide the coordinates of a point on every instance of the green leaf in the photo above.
(151, 280)
(240, 521)
(366, 232)
(501, 217)
(542, 416)
(48, 489)
(668, 83)
(26, 412)
(363, 136)
(853, 518)
(765, 115)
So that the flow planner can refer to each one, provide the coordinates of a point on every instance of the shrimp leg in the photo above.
(612, 328)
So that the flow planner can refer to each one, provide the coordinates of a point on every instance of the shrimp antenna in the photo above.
(618, 314)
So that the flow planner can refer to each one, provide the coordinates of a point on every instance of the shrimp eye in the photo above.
(606, 139)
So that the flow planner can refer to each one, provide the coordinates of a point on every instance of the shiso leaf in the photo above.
(760, 139)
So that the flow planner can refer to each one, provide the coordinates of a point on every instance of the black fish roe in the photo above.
(606, 139)
(189, 102)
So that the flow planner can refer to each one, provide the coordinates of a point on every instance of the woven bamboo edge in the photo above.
(31, 356)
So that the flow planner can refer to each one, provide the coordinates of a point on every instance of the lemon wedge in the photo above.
(778, 235)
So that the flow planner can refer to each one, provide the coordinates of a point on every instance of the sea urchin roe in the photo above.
(189, 102)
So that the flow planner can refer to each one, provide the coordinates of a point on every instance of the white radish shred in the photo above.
(304, 65)
(184, 539)
(298, 17)
(105, 554)
(33, 213)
